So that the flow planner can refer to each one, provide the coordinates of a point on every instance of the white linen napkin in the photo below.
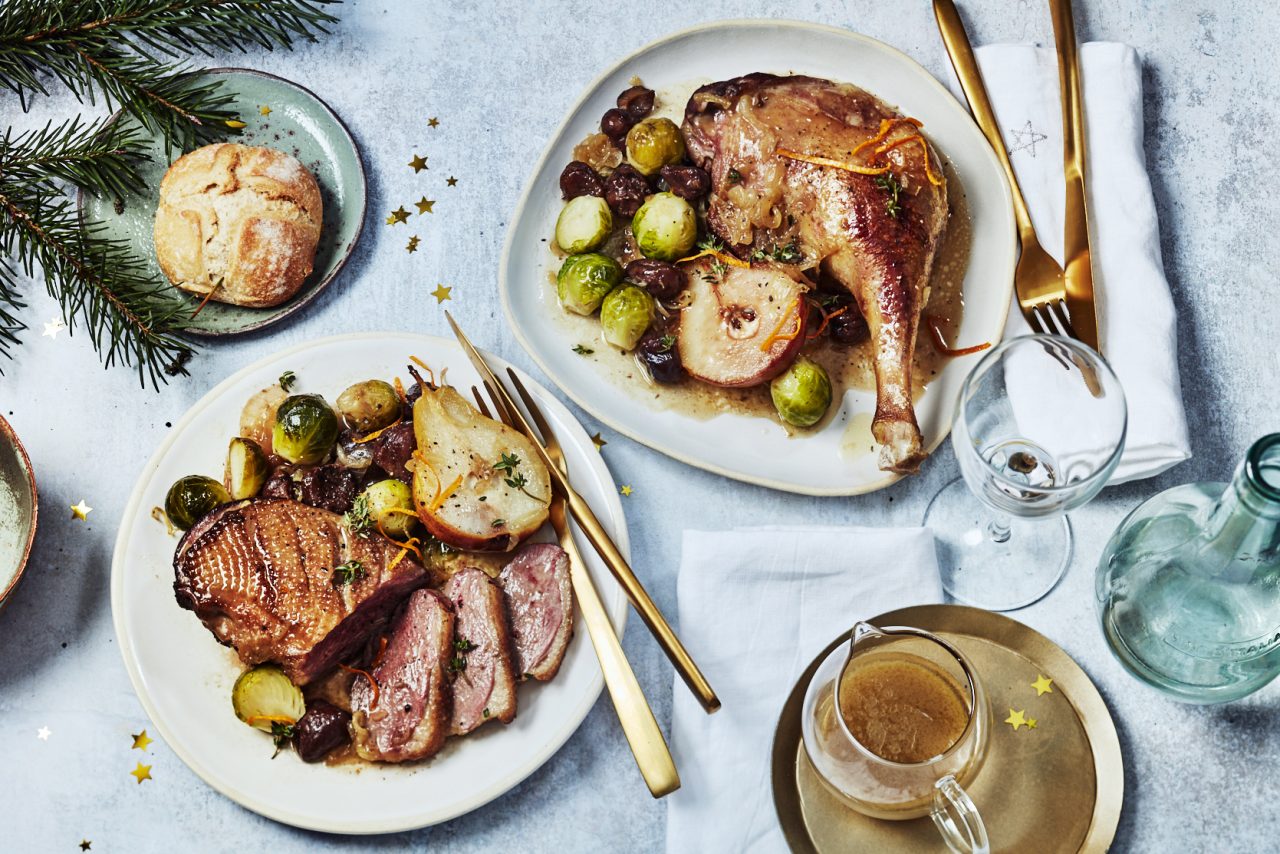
(756, 605)
(1138, 326)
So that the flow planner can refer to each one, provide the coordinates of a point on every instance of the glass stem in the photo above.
(998, 528)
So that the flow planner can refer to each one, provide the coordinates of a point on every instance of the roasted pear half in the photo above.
(743, 325)
(477, 484)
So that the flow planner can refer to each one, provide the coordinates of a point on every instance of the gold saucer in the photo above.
(1058, 787)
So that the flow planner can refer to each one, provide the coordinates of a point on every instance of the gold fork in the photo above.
(649, 748)
(1038, 280)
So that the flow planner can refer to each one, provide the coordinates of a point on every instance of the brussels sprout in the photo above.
(381, 504)
(584, 280)
(625, 315)
(665, 227)
(263, 696)
(191, 497)
(802, 393)
(654, 143)
(305, 429)
(369, 406)
(584, 224)
(246, 470)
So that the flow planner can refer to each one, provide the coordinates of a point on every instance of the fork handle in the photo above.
(640, 727)
(965, 64)
(641, 601)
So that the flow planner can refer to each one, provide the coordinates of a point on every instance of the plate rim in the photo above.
(618, 613)
(1089, 706)
(306, 297)
(623, 427)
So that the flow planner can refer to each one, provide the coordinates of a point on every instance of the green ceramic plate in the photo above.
(299, 124)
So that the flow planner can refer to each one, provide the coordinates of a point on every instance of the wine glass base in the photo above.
(985, 571)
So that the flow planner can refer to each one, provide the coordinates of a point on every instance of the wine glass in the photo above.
(1039, 428)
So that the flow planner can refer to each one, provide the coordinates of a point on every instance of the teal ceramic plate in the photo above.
(299, 124)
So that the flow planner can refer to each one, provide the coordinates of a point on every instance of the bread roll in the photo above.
(246, 217)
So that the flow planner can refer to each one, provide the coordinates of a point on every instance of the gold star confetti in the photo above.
(626, 489)
(418, 163)
(441, 293)
(85, 845)
(598, 441)
(433, 122)
(142, 772)
(1016, 719)
(424, 205)
(43, 733)
(53, 327)
(80, 511)
(140, 741)
(265, 110)
(451, 181)
(1043, 685)
(1031, 723)
(413, 244)
(399, 215)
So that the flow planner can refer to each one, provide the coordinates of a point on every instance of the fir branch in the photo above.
(131, 318)
(110, 48)
(10, 301)
(94, 156)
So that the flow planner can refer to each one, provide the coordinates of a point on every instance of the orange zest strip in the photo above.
(777, 334)
(924, 148)
(402, 511)
(382, 650)
(723, 256)
(275, 719)
(410, 544)
(826, 318)
(400, 390)
(425, 367)
(375, 434)
(373, 683)
(835, 164)
(399, 557)
(444, 494)
(886, 125)
(940, 344)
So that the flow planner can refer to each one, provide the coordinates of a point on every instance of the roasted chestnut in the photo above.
(330, 487)
(637, 102)
(660, 355)
(322, 729)
(625, 190)
(615, 124)
(687, 182)
(662, 279)
(579, 179)
(848, 327)
(394, 448)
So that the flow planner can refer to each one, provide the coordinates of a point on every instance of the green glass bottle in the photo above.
(1189, 585)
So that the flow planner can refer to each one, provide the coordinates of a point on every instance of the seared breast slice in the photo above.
(407, 717)
(484, 688)
(540, 605)
(260, 575)
(875, 234)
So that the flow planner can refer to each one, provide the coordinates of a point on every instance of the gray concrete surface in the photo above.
(499, 77)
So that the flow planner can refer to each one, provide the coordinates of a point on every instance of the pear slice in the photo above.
(477, 483)
(742, 326)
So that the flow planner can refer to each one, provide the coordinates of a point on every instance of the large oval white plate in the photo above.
(183, 676)
(749, 448)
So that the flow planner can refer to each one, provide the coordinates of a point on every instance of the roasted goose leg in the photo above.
(875, 234)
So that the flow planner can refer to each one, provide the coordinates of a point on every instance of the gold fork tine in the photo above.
(480, 404)
(639, 725)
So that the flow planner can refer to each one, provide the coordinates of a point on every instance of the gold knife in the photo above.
(1076, 260)
(644, 736)
(600, 540)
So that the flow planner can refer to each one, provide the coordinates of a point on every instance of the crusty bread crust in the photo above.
(248, 217)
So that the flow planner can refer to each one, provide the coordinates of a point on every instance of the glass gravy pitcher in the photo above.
(896, 723)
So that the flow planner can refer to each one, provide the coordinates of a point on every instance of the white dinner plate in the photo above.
(183, 676)
(753, 448)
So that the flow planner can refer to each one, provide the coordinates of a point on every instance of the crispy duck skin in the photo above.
(843, 222)
(260, 575)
